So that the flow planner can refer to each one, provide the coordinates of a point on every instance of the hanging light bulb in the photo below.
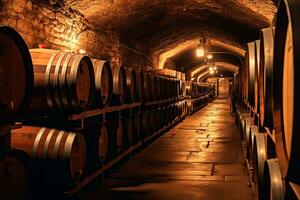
(215, 68)
(211, 69)
(200, 51)
(210, 56)
(212, 72)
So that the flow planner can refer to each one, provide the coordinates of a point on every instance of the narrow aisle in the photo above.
(200, 158)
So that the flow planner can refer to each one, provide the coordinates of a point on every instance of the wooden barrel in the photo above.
(103, 83)
(131, 86)
(64, 151)
(154, 87)
(15, 176)
(145, 124)
(130, 131)
(266, 78)
(16, 74)
(137, 127)
(147, 90)
(256, 76)
(98, 143)
(139, 85)
(119, 85)
(63, 81)
(273, 184)
(259, 157)
(122, 137)
(251, 63)
(286, 79)
(163, 88)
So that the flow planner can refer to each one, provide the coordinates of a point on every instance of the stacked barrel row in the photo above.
(268, 122)
(50, 84)
(200, 94)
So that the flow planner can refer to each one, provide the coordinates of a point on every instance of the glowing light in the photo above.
(82, 51)
(211, 69)
(210, 56)
(212, 72)
(215, 68)
(199, 52)
(221, 75)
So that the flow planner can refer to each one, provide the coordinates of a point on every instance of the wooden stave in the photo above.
(137, 127)
(7, 114)
(256, 76)
(251, 72)
(119, 85)
(259, 158)
(266, 78)
(286, 149)
(99, 66)
(139, 82)
(146, 87)
(273, 188)
(50, 154)
(131, 86)
(59, 93)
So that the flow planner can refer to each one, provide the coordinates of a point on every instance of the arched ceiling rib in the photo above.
(205, 68)
(164, 28)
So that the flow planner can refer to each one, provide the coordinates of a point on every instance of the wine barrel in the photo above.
(119, 85)
(98, 143)
(16, 74)
(286, 79)
(273, 185)
(63, 81)
(145, 124)
(259, 157)
(139, 85)
(137, 126)
(147, 90)
(103, 83)
(122, 137)
(266, 78)
(64, 151)
(251, 60)
(15, 175)
(256, 76)
(131, 86)
(163, 88)
(154, 87)
(130, 132)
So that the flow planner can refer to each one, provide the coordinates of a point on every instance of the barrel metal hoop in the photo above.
(37, 141)
(47, 142)
(69, 145)
(56, 79)
(63, 81)
(47, 78)
(57, 143)
(72, 83)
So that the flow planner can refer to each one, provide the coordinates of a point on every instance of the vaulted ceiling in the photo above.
(169, 30)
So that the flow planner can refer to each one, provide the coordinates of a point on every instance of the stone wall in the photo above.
(63, 28)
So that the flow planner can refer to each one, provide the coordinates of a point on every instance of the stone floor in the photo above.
(200, 158)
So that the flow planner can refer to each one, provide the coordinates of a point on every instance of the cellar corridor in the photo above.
(200, 158)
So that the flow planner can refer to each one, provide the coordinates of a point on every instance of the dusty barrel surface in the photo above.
(62, 154)
(266, 78)
(147, 90)
(103, 83)
(16, 74)
(286, 81)
(63, 81)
